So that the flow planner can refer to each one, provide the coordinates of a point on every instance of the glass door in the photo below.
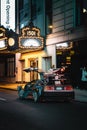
(33, 74)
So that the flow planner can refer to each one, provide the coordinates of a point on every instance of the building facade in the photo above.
(38, 12)
(69, 26)
(63, 25)
(7, 22)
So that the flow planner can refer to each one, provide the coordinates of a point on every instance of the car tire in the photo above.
(21, 94)
(35, 96)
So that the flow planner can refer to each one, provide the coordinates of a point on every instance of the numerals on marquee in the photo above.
(31, 33)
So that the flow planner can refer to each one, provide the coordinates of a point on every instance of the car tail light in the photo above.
(68, 88)
(48, 88)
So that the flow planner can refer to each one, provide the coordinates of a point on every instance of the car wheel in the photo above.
(35, 96)
(21, 94)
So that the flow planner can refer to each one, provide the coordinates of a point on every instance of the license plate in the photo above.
(58, 88)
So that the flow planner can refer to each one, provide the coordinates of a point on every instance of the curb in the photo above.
(8, 89)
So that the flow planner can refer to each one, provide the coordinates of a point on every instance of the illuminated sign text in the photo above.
(8, 14)
(31, 39)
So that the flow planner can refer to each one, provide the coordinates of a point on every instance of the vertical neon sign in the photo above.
(8, 14)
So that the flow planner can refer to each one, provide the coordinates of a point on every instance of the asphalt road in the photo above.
(27, 115)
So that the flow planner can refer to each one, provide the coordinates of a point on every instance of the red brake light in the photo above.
(49, 88)
(68, 88)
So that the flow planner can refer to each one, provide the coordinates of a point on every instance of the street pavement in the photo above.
(80, 95)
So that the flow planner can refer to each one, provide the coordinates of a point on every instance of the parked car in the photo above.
(51, 86)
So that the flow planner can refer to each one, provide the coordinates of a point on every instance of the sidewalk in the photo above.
(11, 86)
(80, 95)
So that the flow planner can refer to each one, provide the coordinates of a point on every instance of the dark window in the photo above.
(79, 12)
(7, 65)
(85, 12)
(33, 9)
(21, 3)
(48, 5)
(10, 72)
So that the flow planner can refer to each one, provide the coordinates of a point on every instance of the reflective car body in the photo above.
(51, 86)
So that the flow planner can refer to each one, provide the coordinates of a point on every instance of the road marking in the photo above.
(2, 99)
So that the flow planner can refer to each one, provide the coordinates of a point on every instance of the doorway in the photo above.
(34, 64)
(47, 63)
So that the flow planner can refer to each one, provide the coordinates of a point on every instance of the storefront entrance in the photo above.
(33, 63)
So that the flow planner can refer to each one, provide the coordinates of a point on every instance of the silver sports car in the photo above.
(51, 86)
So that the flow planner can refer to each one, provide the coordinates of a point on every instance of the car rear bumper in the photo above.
(70, 95)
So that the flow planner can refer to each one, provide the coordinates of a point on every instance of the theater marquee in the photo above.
(31, 39)
(3, 39)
